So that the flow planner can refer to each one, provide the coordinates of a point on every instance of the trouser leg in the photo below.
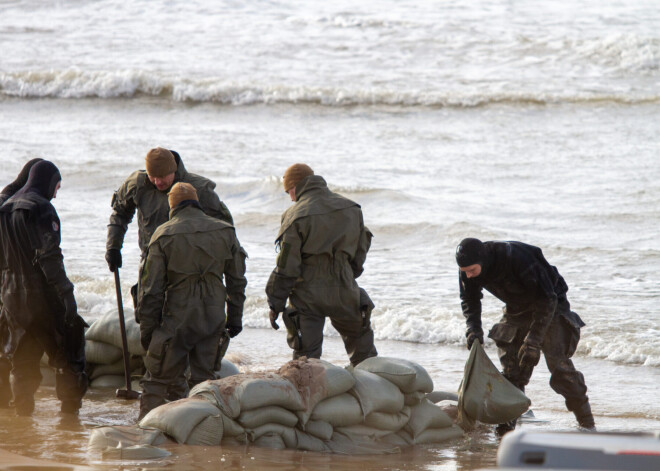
(5, 385)
(164, 377)
(358, 337)
(310, 342)
(558, 348)
(26, 374)
(202, 359)
(71, 380)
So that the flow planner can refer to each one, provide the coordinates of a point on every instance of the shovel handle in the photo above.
(128, 393)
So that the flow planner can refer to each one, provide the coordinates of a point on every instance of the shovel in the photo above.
(127, 393)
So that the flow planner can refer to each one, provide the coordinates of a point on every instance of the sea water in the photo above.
(443, 120)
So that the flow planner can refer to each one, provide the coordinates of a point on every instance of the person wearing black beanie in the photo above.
(40, 311)
(537, 317)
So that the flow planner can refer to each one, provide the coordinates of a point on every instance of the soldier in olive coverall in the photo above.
(537, 317)
(323, 246)
(146, 192)
(181, 302)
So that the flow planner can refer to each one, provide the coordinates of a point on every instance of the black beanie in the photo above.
(469, 252)
(43, 179)
(20, 180)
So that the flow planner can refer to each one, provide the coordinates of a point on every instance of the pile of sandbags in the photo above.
(312, 405)
(103, 350)
(485, 395)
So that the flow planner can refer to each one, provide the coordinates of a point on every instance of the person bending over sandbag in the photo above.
(39, 307)
(181, 300)
(323, 246)
(537, 317)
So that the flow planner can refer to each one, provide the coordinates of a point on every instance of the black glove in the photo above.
(471, 336)
(272, 315)
(113, 257)
(529, 355)
(70, 308)
(234, 329)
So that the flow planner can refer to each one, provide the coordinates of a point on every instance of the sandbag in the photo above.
(319, 429)
(135, 452)
(485, 395)
(407, 375)
(231, 428)
(249, 391)
(355, 445)
(390, 422)
(178, 418)
(106, 329)
(227, 368)
(426, 415)
(267, 415)
(103, 353)
(450, 408)
(315, 380)
(363, 432)
(375, 393)
(437, 396)
(113, 382)
(412, 399)
(339, 411)
(208, 432)
(432, 435)
(116, 368)
(113, 436)
(273, 441)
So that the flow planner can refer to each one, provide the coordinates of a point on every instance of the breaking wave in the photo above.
(78, 84)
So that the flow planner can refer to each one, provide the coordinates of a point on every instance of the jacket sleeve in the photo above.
(471, 295)
(235, 283)
(211, 204)
(287, 270)
(151, 291)
(357, 264)
(123, 210)
(48, 254)
(537, 279)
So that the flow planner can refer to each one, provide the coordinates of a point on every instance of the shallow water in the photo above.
(49, 435)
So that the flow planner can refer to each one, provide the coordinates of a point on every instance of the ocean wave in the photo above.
(80, 84)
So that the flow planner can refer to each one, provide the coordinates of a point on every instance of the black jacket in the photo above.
(519, 275)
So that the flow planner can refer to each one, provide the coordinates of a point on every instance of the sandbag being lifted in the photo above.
(485, 395)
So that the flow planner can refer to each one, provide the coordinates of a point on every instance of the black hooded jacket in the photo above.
(35, 283)
(519, 275)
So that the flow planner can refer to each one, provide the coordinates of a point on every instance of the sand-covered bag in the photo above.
(485, 395)
(239, 393)
(426, 415)
(409, 376)
(339, 411)
(126, 442)
(179, 418)
(315, 380)
(390, 422)
(375, 393)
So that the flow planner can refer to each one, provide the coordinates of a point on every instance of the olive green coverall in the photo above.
(181, 301)
(323, 246)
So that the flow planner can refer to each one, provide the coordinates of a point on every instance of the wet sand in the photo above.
(48, 435)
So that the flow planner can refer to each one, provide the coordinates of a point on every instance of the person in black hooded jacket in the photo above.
(5, 365)
(537, 317)
(39, 307)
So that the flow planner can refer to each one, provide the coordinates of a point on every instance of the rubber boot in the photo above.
(585, 418)
(506, 427)
(70, 407)
(24, 405)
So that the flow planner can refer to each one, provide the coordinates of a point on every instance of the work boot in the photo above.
(506, 427)
(585, 418)
(70, 407)
(24, 406)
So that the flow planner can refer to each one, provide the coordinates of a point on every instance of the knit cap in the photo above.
(160, 162)
(294, 174)
(181, 192)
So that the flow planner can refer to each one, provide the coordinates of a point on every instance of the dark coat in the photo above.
(519, 275)
(34, 279)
